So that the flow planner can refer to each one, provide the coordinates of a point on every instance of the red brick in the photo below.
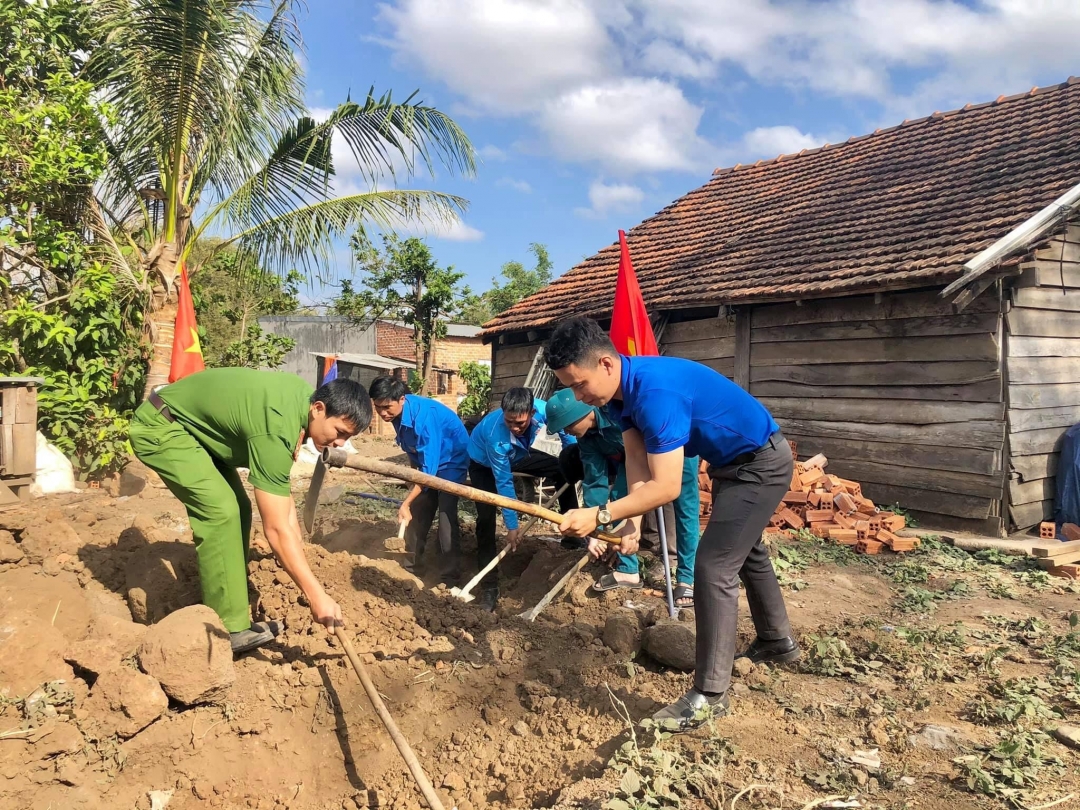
(818, 461)
(843, 521)
(844, 503)
(791, 519)
(1067, 571)
(846, 537)
(895, 523)
(1070, 531)
(819, 515)
(868, 547)
(1047, 530)
(811, 477)
(863, 529)
(796, 498)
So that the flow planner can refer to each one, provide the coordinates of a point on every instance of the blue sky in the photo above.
(590, 115)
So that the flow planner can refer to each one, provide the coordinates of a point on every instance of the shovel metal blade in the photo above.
(311, 500)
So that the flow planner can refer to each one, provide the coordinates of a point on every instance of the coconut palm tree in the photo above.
(210, 136)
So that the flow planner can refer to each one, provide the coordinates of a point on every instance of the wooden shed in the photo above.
(818, 282)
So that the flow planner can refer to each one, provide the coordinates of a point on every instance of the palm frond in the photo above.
(304, 238)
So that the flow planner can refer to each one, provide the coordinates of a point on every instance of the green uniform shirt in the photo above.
(245, 418)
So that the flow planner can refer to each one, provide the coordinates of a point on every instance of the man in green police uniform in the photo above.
(195, 432)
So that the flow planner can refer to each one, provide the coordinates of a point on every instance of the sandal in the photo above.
(608, 583)
(683, 596)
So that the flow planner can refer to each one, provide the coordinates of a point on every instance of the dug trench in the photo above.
(898, 702)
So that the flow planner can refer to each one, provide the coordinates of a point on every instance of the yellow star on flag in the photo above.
(194, 348)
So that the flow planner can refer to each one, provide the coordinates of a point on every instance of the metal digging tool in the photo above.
(466, 592)
(311, 500)
(415, 768)
(336, 457)
(531, 614)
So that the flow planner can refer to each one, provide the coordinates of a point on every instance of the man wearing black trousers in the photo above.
(671, 408)
(500, 445)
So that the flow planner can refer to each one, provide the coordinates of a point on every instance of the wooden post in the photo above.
(742, 347)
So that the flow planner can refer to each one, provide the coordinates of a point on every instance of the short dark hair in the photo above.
(518, 400)
(387, 388)
(347, 399)
(575, 341)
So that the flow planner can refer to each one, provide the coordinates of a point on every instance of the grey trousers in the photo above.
(744, 496)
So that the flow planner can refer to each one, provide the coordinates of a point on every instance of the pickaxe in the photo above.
(466, 592)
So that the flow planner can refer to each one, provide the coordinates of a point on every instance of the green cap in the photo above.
(563, 410)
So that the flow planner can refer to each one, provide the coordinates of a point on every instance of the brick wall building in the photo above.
(461, 344)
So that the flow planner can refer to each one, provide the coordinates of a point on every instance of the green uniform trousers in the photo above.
(217, 506)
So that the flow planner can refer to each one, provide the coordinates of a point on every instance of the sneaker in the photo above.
(488, 599)
(691, 711)
(780, 651)
(273, 625)
(248, 640)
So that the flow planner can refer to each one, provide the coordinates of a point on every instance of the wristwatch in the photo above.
(603, 516)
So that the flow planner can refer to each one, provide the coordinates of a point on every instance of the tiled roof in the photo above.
(903, 206)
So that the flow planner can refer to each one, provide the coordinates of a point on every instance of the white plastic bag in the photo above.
(54, 473)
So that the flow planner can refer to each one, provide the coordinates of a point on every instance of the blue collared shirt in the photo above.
(679, 403)
(493, 445)
(434, 438)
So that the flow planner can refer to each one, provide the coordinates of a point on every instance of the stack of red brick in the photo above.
(834, 508)
(1059, 559)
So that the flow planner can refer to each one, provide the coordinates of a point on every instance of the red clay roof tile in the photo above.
(906, 205)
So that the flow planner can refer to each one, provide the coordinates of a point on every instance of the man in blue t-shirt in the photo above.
(671, 408)
(500, 445)
(435, 440)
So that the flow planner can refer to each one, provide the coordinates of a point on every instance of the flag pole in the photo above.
(667, 561)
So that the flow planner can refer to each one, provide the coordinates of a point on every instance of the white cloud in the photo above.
(610, 198)
(516, 185)
(630, 125)
(457, 231)
(492, 153)
(768, 142)
(600, 80)
(503, 55)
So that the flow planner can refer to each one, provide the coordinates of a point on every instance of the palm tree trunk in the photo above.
(163, 324)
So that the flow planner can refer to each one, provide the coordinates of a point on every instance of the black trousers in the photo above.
(424, 509)
(538, 465)
(744, 496)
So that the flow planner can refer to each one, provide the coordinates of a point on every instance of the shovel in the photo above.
(466, 592)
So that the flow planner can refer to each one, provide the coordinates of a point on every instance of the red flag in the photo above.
(186, 352)
(631, 330)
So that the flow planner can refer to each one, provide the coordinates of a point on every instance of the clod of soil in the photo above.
(188, 652)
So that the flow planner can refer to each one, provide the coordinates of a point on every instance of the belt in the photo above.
(746, 458)
(162, 408)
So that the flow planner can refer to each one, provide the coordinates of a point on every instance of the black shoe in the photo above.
(780, 651)
(273, 625)
(489, 597)
(692, 710)
(248, 640)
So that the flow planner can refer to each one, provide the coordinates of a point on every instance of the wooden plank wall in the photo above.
(1043, 373)
(510, 366)
(899, 392)
(710, 341)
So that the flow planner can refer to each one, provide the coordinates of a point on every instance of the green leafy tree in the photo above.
(401, 282)
(521, 282)
(211, 136)
(477, 379)
(65, 317)
(229, 297)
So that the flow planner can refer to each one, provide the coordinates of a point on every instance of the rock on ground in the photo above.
(622, 631)
(161, 578)
(189, 654)
(31, 653)
(939, 738)
(49, 538)
(9, 549)
(124, 702)
(671, 643)
(109, 641)
(57, 601)
(56, 739)
(1068, 735)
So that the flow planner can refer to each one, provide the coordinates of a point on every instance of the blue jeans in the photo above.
(687, 528)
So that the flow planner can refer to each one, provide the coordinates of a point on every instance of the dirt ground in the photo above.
(507, 714)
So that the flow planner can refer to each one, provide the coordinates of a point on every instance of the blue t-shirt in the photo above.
(679, 403)
(494, 446)
(434, 438)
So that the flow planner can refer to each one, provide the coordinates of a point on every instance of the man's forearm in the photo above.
(643, 499)
(414, 493)
(287, 545)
